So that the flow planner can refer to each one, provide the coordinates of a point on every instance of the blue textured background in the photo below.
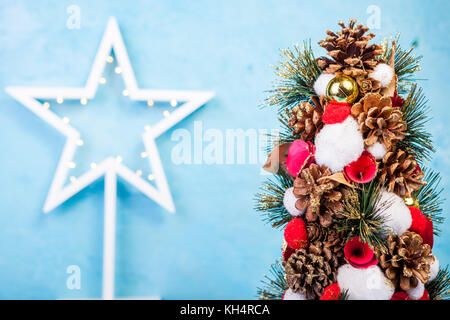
(215, 246)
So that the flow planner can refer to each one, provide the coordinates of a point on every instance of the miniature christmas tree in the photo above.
(350, 188)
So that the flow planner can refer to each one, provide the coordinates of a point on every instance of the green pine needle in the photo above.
(439, 287)
(270, 201)
(429, 198)
(274, 285)
(416, 115)
(296, 75)
(362, 215)
(406, 63)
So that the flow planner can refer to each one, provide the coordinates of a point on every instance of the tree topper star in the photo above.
(110, 167)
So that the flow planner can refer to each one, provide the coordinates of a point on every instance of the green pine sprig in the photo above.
(296, 75)
(439, 287)
(406, 63)
(429, 198)
(274, 285)
(362, 215)
(416, 113)
(269, 202)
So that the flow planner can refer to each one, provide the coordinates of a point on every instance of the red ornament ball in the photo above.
(336, 112)
(295, 234)
(421, 225)
(331, 292)
(362, 170)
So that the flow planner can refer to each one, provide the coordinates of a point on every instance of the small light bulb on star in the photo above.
(125, 92)
(150, 177)
(119, 159)
(59, 100)
(102, 80)
(173, 103)
(150, 102)
(166, 113)
(139, 172)
(143, 154)
(46, 105)
(118, 70)
(83, 101)
(80, 142)
(110, 59)
(93, 165)
(66, 120)
(72, 165)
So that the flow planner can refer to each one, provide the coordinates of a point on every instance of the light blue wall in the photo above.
(215, 246)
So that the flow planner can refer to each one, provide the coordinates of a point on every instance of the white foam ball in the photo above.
(339, 144)
(383, 73)
(289, 294)
(378, 150)
(392, 208)
(434, 269)
(417, 292)
(364, 284)
(289, 201)
(320, 86)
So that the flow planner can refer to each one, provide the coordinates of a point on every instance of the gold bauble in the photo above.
(342, 89)
(411, 201)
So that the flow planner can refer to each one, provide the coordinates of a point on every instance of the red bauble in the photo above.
(287, 253)
(336, 112)
(295, 234)
(362, 170)
(359, 254)
(300, 155)
(331, 292)
(421, 225)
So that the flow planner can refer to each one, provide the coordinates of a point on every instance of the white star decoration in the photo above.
(110, 167)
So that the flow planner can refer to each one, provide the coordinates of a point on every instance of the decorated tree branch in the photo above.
(350, 189)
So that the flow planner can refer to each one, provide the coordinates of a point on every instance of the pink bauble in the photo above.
(300, 156)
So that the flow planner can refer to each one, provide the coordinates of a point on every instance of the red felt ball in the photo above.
(300, 156)
(336, 112)
(362, 170)
(287, 253)
(425, 295)
(331, 292)
(400, 295)
(295, 234)
(421, 225)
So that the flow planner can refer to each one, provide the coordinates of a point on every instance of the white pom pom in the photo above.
(339, 144)
(320, 86)
(417, 292)
(397, 217)
(289, 201)
(434, 269)
(364, 284)
(383, 73)
(291, 295)
(377, 150)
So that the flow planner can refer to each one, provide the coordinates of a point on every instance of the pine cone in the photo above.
(312, 189)
(366, 85)
(310, 271)
(350, 51)
(330, 237)
(407, 260)
(305, 120)
(378, 120)
(401, 173)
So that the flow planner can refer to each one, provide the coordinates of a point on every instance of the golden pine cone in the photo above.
(305, 120)
(378, 120)
(350, 51)
(312, 188)
(407, 261)
(310, 271)
(400, 173)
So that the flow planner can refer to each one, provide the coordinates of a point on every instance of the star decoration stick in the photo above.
(110, 167)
